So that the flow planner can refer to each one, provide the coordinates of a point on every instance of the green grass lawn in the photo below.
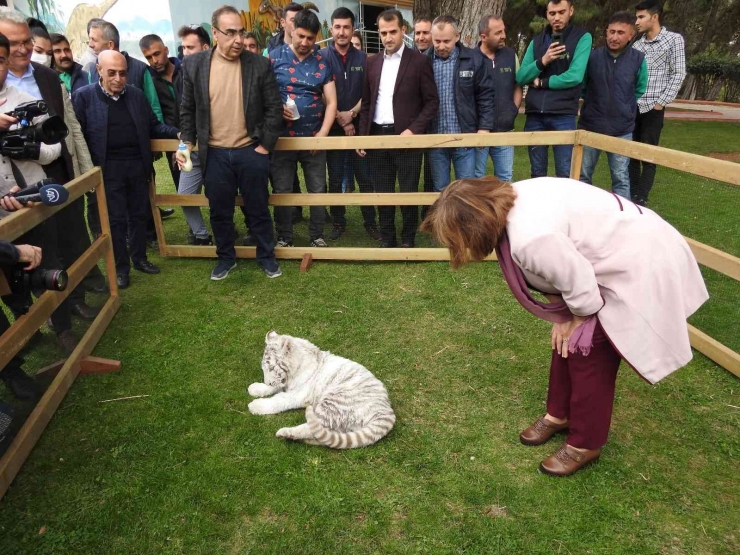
(188, 469)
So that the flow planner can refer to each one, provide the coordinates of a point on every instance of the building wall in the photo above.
(133, 18)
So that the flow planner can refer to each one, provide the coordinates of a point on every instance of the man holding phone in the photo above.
(553, 67)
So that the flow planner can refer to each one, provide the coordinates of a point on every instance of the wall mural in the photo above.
(263, 19)
(133, 18)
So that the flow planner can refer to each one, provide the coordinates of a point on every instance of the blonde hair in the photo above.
(469, 217)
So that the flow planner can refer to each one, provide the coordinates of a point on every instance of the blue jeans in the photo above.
(619, 166)
(233, 170)
(463, 159)
(503, 161)
(538, 154)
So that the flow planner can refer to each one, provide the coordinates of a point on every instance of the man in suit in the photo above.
(65, 233)
(231, 102)
(399, 98)
(119, 125)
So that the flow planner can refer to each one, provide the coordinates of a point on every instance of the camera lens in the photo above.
(49, 280)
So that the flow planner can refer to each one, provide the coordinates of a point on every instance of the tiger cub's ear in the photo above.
(272, 335)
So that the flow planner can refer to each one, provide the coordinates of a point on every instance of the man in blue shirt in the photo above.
(466, 99)
(303, 76)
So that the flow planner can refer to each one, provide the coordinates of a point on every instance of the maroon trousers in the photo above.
(582, 390)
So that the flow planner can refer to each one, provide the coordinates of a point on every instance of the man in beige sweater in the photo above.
(231, 107)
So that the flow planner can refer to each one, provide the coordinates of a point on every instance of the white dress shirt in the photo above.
(389, 73)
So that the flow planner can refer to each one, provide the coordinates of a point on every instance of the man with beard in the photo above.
(503, 66)
(616, 77)
(348, 65)
(70, 72)
(553, 68)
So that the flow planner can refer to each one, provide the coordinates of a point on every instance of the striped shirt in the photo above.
(444, 76)
(666, 61)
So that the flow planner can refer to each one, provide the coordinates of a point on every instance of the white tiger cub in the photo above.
(346, 406)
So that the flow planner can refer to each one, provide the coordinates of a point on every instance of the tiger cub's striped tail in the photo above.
(380, 425)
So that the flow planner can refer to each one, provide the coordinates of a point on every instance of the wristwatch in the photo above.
(353, 114)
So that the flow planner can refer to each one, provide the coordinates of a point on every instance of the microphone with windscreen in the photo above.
(45, 191)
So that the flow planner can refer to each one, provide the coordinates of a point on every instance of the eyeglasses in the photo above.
(233, 33)
(113, 72)
(28, 43)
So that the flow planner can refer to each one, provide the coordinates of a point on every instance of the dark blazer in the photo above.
(263, 106)
(92, 112)
(47, 79)
(79, 77)
(415, 99)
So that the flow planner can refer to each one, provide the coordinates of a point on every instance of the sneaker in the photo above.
(283, 243)
(336, 232)
(249, 240)
(222, 269)
(203, 241)
(319, 242)
(274, 272)
(372, 231)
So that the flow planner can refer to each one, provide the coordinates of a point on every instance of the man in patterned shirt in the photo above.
(303, 76)
(666, 62)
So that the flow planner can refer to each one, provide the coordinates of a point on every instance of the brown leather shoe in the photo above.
(567, 460)
(541, 431)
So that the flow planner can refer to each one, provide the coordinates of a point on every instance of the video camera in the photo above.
(24, 143)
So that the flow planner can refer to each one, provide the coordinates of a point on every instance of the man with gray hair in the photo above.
(105, 36)
(65, 232)
(503, 64)
(89, 58)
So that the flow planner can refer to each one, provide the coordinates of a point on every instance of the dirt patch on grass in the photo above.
(729, 156)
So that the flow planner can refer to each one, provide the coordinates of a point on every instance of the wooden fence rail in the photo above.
(702, 166)
(13, 340)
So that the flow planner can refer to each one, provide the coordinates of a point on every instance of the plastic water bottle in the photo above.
(293, 108)
(183, 149)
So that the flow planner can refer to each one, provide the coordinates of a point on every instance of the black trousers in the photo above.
(233, 170)
(387, 166)
(336, 163)
(127, 194)
(642, 174)
(17, 361)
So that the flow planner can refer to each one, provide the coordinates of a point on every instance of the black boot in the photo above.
(20, 385)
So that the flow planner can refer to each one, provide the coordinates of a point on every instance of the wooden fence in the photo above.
(703, 166)
(12, 341)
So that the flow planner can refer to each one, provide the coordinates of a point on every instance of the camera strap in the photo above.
(19, 179)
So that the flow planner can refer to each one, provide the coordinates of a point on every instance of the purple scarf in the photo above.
(558, 313)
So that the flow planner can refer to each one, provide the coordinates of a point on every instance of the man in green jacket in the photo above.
(553, 68)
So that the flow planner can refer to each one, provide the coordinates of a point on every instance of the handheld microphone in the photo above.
(33, 189)
(50, 195)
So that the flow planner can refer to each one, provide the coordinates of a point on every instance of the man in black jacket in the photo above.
(70, 72)
(466, 99)
(118, 125)
(503, 64)
(348, 65)
(235, 135)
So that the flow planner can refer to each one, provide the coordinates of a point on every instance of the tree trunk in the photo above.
(467, 12)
